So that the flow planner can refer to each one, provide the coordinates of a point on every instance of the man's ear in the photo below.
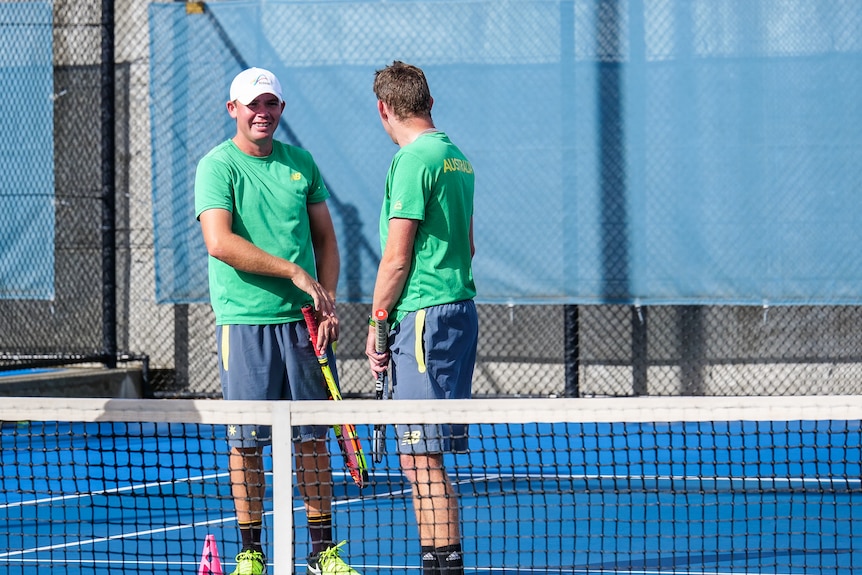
(382, 109)
(231, 108)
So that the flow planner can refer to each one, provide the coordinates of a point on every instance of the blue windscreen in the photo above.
(27, 151)
(668, 152)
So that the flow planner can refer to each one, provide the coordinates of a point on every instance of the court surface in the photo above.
(655, 499)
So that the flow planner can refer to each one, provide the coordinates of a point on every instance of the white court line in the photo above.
(467, 569)
(132, 534)
(761, 482)
(115, 490)
(460, 480)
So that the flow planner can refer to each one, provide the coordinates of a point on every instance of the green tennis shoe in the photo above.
(250, 563)
(328, 562)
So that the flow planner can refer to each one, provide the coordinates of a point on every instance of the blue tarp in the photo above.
(667, 152)
(27, 151)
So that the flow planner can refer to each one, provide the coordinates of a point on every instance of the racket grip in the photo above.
(379, 385)
(379, 448)
(311, 324)
(381, 343)
(381, 331)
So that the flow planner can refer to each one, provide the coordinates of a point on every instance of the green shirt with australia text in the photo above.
(430, 180)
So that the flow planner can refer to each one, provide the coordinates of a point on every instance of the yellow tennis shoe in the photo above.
(328, 562)
(250, 563)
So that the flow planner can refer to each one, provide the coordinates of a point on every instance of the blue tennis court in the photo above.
(695, 497)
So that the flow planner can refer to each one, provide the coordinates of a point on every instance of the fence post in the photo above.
(572, 350)
(109, 230)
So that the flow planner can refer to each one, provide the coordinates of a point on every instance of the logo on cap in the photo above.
(262, 79)
(251, 83)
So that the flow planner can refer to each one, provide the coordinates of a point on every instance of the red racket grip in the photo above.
(311, 324)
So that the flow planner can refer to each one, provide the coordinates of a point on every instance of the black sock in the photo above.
(430, 565)
(450, 559)
(320, 530)
(250, 533)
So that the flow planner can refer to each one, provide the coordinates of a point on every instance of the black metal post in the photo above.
(571, 336)
(640, 351)
(109, 231)
(572, 350)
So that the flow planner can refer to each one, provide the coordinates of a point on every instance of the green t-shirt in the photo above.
(268, 198)
(430, 180)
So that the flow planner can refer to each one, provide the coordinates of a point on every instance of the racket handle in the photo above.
(379, 385)
(381, 331)
(311, 324)
(381, 343)
(379, 443)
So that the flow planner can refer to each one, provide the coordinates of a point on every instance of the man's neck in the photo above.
(414, 128)
(257, 149)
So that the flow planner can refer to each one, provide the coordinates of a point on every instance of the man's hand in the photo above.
(324, 307)
(379, 362)
(324, 304)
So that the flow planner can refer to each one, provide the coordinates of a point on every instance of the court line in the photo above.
(134, 534)
(727, 481)
(461, 479)
(96, 540)
(113, 490)
(730, 481)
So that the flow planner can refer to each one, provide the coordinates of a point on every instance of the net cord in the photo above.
(538, 410)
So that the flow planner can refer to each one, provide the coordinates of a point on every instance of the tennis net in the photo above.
(638, 485)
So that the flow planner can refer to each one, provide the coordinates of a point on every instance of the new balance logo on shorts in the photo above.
(411, 437)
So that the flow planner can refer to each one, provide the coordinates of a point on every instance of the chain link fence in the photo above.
(104, 311)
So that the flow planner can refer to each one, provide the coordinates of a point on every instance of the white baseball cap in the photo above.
(251, 83)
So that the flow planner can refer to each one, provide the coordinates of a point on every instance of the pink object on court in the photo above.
(210, 564)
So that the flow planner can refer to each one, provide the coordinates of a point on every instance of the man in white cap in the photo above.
(272, 249)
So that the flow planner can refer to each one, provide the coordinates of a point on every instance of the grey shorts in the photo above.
(433, 353)
(269, 362)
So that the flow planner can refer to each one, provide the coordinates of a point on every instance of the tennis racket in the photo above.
(348, 440)
(381, 342)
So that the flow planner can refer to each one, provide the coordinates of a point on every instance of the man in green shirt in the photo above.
(425, 283)
(272, 249)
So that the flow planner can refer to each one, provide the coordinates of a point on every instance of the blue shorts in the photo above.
(269, 362)
(433, 353)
